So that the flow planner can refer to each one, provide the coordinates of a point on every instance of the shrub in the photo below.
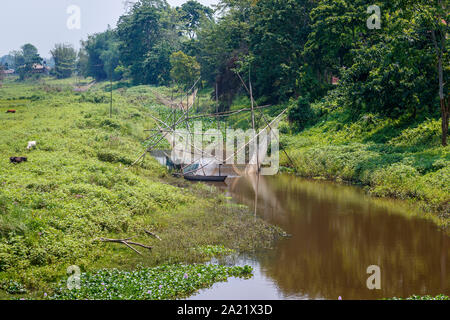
(94, 97)
(301, 114)
(398, 180)
(426, 134)
(110, 156)
(110, 123)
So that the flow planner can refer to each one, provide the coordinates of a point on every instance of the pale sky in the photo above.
(43, 23)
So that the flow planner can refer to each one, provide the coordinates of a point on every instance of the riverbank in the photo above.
(337, 232)
(400, 158)
(76, 188)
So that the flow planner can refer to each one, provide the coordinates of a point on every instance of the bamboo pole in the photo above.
(229, 113)
(217, 106)
(253, 121)
(175, 133)
(245, 145)
(266, 121)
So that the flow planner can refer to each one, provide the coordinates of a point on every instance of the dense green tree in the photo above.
(103, 54)
(391, 78)
(337, 27)
(25, 59)
(431, 19)
(7, 61)
(222, 49)
(439, 34)
(300, 50)
(111, 61)
(149, 34)
(65, 57)
(191, 14)
(30, 54)
(387, 70)
(301, 113)
(278, 32)
(82, 62)
(185, 69)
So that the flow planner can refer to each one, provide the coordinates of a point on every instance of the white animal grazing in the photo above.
(31, 145)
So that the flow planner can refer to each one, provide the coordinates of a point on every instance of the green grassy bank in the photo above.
(76, 187)
(399, 158)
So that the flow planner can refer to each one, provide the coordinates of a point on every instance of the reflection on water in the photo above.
(337, 232)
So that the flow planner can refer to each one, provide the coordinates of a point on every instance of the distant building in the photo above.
(39, 68)
(9, 72)
(335, 80)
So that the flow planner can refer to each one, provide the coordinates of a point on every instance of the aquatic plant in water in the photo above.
(158, 283)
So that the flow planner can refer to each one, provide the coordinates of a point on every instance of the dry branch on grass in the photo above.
(153, 235)
(126, 242)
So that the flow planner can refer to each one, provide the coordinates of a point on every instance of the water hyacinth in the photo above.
(159, 283)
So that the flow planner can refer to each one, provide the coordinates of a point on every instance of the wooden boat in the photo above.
(192, 177)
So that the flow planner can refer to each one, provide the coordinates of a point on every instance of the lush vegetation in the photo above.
(367, 100)
(64, 57)
(389, 60)
(99, 57)
(159, 283)
(296, 49)
(77, 187)
(25, 59)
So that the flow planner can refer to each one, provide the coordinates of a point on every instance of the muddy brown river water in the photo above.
(337, 233)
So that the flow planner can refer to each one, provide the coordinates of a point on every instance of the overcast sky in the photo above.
(44, 22)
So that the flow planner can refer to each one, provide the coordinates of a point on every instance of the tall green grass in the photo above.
(77, 186)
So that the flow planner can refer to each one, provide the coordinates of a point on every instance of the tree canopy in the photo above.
(65, 57)
(390, 59)
(25, 59)
(185, 69)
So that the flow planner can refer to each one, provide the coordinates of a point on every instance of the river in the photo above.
(337, 232)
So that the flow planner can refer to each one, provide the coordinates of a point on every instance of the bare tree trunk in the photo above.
(443, 101)
(445, 118)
